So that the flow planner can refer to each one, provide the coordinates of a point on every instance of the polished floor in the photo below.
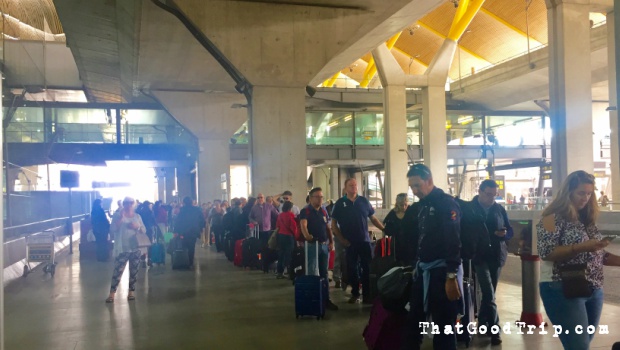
(217, 306)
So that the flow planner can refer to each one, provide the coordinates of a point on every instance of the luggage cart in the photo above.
(40, 248)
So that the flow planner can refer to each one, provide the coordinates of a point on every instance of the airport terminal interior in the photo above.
(214, 100)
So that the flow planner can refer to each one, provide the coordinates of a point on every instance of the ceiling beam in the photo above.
(432, 30)
(509, 26)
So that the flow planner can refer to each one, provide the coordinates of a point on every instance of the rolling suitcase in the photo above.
(251, 249)
(468, 300)
(238, 255)
(311, 292)
(384, 260)
(384, 329)
(157, 253)
(180, 255)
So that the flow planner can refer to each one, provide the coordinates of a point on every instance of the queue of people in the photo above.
(443, 238)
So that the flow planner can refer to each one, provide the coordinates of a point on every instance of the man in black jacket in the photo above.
(490, 227)
(435, 289)
(189, 224)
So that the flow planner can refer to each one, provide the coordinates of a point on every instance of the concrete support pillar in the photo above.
(570, 85)
(213, 161)
(1, 240)
(184, 180)
(170, 184)
(396, 166)
(320, 178)
(613, 102)
(277, 140)
(334, 191)
(434, 133)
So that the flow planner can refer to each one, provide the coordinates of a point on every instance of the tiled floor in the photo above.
(218, 306)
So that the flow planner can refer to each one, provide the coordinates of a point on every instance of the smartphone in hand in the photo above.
(609, 238)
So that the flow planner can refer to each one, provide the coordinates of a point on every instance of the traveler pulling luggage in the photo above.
(468, 300)
(311, 291)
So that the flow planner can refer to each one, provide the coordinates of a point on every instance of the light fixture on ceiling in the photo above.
(413, 28)
(465, 119)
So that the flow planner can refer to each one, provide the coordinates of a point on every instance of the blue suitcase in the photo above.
(311, 292)
(158, 254)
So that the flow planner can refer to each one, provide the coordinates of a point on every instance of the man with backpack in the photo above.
(314, 222)
(484, 231)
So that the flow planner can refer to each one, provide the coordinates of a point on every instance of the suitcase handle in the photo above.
(316, 270)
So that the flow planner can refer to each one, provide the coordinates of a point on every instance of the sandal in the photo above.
(131, 297)
(109, 300)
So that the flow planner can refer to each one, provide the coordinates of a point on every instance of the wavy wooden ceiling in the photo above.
(25, 19)
(497, 33)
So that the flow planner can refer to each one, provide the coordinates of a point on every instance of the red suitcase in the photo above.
(238, 260)
(332, 260)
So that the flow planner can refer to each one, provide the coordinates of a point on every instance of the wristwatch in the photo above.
(451, 275)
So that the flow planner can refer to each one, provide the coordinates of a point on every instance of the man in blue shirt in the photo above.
(350, 225)
(314, 226)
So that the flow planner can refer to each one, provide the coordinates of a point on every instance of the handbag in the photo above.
(140, 240)
(273, 240)
(574, 282)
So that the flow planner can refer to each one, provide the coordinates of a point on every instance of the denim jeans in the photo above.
(323, 259)
(286, 243)
(359, 255)
(487, 275)
(570, 313)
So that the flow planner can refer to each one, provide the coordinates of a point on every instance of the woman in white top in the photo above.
(568, 238)
(125, 225)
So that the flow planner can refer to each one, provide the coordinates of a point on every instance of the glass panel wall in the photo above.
(464, 130)
(36, 124)
(369, 129)
(516, 131)
(329, 128)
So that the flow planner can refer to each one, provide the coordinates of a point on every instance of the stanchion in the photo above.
(530, 277)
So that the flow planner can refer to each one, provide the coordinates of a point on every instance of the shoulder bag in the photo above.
(574, 282)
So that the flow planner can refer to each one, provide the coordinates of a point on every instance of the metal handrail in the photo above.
(14, 232)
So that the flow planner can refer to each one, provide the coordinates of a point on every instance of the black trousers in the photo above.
(103, 251)
(189, 243)
(359, 255)
(442, 311)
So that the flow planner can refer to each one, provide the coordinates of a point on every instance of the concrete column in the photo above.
(435, 146)
(613, 102)
(320, 178)
(334, 192)
(170, 184)
(570, 85)
(277, 140)
(395, 140)
(1, 240)
(213, 161)
(184, 180)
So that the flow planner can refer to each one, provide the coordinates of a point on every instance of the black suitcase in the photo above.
(251, 248)
(180, 259)
(470, 313)
(383, 261)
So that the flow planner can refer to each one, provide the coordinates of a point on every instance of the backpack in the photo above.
(299, 237)
(474, 233)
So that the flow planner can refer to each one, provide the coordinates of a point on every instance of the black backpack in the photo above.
(474, 233)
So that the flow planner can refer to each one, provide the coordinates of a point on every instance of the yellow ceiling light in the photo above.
(348, 117)
(448, 125)
(465, 119)
(332, 124)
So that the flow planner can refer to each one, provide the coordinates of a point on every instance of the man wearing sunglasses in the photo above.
(286, 196)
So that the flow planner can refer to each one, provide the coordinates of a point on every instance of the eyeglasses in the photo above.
(260, 197)
(286, 198)
(318, 197)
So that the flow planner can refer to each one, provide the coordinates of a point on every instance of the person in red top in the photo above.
(287, 229)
